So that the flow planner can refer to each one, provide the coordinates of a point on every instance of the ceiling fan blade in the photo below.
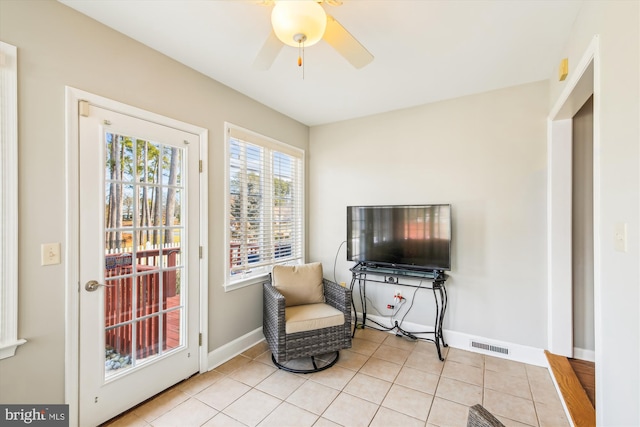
(346, 45)
(268, 53)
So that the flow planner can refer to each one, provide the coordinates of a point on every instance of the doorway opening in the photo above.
(574, 283)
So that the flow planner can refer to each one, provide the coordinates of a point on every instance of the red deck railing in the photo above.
(119, 303)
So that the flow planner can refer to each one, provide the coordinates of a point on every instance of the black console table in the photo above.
(364, 272)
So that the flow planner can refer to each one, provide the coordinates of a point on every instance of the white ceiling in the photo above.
(425, 51)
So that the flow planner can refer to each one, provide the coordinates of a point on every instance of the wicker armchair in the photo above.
(480, 417)
(289, 346)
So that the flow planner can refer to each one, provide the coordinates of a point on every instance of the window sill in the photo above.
(250, 281)
(9, 350)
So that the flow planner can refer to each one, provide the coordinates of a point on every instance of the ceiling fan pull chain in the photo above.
(301, 56)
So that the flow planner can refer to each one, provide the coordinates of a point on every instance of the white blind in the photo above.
(265, 204)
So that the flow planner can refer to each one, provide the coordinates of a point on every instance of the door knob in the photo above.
(93, 285)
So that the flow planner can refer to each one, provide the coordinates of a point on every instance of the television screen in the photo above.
(414, 236)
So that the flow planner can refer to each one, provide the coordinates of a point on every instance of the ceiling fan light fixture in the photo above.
(296, 20)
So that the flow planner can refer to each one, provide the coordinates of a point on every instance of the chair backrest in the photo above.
(299, 284)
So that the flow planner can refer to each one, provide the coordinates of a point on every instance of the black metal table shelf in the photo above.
(363, 273)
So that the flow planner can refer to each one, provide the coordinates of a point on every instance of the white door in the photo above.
(139, 261)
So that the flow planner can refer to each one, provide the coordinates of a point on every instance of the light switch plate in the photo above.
(50, 253)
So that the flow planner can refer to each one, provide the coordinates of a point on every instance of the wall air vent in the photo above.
(489, 347)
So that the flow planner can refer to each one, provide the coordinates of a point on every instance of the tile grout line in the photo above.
(368, 356)
(535, 407)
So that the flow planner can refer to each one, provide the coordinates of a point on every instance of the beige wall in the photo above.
(486, 155)
(58, 47)
(617, 166)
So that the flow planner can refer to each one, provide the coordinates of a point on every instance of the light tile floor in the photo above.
(383, 380)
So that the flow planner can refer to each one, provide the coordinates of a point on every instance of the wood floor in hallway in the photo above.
(580, 408)
(585, 371)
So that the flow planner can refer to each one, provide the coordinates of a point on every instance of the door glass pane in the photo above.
(118, 301)
(149, 161)
(119, 208)
(117, 350)
(172, 162)
(171, 296)
(148, 333)
(148, 289)
(144, 305)
(172, 330)
(148, 259)
(171, 248)
(150, 202)
(172, 199)
(127, 205)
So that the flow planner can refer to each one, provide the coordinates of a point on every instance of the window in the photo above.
(264, 205)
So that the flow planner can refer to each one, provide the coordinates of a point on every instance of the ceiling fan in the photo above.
(302, 23)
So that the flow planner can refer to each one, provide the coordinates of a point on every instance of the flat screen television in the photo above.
(409, 236)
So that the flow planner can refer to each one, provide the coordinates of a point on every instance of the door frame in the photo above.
(72, 232)
(585, 82)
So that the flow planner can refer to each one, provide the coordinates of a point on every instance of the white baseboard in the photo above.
(583, 354)
(228, 351)
(460, 340)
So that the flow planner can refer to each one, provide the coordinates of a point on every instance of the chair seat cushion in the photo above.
(302, 318)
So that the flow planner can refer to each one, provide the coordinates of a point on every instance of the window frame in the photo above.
(270, 145)
(9, 341)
